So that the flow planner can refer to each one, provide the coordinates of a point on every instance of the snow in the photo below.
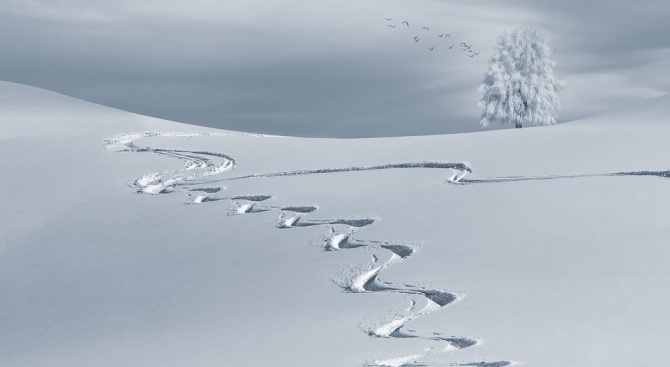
(358, 285)
(244, 208)
(558, 236)
(386, 330)
(396, 362)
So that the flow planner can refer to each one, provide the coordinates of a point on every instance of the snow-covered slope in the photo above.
(133, 241)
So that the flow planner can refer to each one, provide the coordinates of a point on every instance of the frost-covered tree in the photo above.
(519, 87)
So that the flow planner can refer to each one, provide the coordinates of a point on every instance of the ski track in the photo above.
(367, 281)
(196, 164)
(195, 180)
(486, 364)
(470, 364)
(460, 170)
(659, 174)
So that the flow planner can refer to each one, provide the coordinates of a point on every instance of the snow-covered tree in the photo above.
(519, 87)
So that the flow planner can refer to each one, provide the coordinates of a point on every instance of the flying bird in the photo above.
(447, 35)
(474, 53)
(426, 28)
(388, 19)
(450, 47)
(416, 38)
(431, 48)
(392, 26)
(465, 45)
(405, 22)
(471, 55)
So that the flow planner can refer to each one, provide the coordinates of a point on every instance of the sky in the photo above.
(328, 68)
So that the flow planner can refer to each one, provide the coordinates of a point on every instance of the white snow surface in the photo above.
(559, 237)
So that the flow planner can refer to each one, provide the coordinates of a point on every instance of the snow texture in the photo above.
(182, 245)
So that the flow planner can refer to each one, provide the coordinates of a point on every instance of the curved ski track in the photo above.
(194, 180)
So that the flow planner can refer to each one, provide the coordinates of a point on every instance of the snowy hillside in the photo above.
(133, 241)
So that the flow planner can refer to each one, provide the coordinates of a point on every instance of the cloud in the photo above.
(594, 93)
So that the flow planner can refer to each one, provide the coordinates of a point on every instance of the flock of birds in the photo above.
(423, 35)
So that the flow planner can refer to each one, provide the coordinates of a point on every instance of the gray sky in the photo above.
(325, 67)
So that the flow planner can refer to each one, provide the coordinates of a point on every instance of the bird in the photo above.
(426, 28)
(471, 55)
(441, 35)
(388, 19)
(447, 35)
(392, 26)
(450, 47)
(465, 45)
(431, 48)
(416, 38)
(405, 22)
(474, 53)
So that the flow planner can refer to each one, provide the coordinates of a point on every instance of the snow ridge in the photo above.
(195, 181)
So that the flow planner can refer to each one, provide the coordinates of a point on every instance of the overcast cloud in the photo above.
(325, 68)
